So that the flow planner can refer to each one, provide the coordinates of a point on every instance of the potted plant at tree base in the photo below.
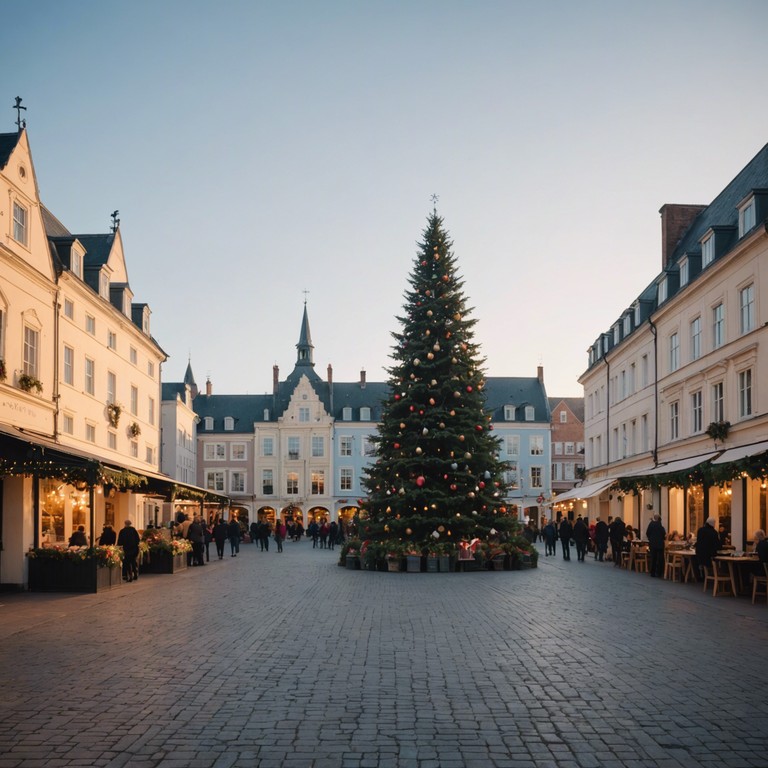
(433, 554)
(445, 556)
(412, 559)
(394, 557)
(351, 554)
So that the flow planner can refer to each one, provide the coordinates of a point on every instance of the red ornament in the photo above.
(420, 481)
(469, 388)
(412, 408)
(397, 397)
(396, 446)
(453, 486)
(481, 484)
(479, 428)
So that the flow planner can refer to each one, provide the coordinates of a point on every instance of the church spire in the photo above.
(305, 347)
(189, 379)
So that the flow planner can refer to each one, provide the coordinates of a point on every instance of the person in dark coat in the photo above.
(108, 536)
(234, 536)
(581, 537)
(333, 534)
(601, 539)
(196, 537)
(220, 536)
(565, 532)
(254, 531)
(78, 537)
(707, 546)
(550, 539)
(128, 539)
(313, 530)
(657, 536)
(616, 531)
(280, 532)
(264, 532)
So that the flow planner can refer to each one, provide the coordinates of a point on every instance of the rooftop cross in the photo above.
(305, 292)
(19, 122)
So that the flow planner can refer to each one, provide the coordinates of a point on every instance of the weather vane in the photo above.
(305, 292)
(115, 220)
(19, 122)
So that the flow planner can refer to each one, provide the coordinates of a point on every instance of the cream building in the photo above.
(676, 416)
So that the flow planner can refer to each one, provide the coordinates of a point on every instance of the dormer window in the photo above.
(684, 272)
(76, 263)
(208, 422)
(707, 251)
(662, 290)
(627, 325)
(509, 413)
(229, 423)
(616, 334)
(266, 414)
(747, 217)
(103, 285)
(346, 414)
(365, 414)
(145, 321)
(529, 413)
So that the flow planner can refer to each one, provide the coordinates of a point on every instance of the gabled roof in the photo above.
(518, 391)
(53, 227)
(171, 390)
(8, 142)
(575, 405)
(97, 249)
(355, 396)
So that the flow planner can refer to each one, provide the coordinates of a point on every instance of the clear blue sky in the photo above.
(257, 149)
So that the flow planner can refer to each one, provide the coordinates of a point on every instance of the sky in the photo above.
(257, 150)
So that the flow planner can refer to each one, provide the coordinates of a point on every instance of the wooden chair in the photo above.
(641, 560)
(760, 585)
(673, 566)
(721, 581)
(624, 559)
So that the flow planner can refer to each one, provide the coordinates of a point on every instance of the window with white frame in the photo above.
(292, 483)
(697, 412)
(149, 454)
(103, 285)
(696, 338)
(76, 263)
(237, 482)
(718, 326)
(69, 309)
(365, 413)
(133, 355)
(20, 223)
(135, 449)
(509, 413)
(112, 340)
(708, 251)
(208, 422)
(631, 379)
(229, 423)
(563, 417)
(150, 369)
(214, 480)
(345, 446)
(579, 448)
(684, 272)
(674, 420)
(627, 325)
(267, 482)
(265, 415)
(346, 414)
(674, 352)
(90, 324)
(134, 400)
(215, 451)
(555, 472)
(570, 449)
(745, 393)
(511, 476)
(318, 482)
(151, 410)
(237, 451)
(747, 218)
(90, 432)
(268, 446)
(536, 443)
(568, 471)
(293, 447)
(662, 291)
(345, 479)
(513, 445)
(747, 308)
(31, 350)
(557, 448)
(112, 440)
(536, 477)
(623, 385)
(718, 401)
(90, 376)
(69, 424)
(303, 414)
(530, 413)
(644, 371)
(69, 365)
(318, 446)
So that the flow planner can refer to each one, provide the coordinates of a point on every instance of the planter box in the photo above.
(413, 563)
(353, 562)
(432, 564)
(394, 565)
(51, 575)
(445, 564)
(161, 561)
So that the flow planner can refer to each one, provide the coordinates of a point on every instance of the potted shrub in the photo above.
(350, 554)
(74, 569)
(158, 553)
(446, 556)
(394, 556)
(412, 558)
(27, 382)
(433, 554)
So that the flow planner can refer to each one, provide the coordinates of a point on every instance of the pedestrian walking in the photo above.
(601, 539)
(657, 537)
(196, 537)
(220, 536)
(333, 533)
(581, 537)
(128, 539)
(265, 532)
(324, 534)
(313, 530)
(234, 536)
(616, 532)
(565, 532)
(550, 539)
(280, 532)
(254, 530)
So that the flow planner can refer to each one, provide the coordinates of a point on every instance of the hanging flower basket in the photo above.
(134, 430)
(718, 430)
(114, 411)
(28, 383)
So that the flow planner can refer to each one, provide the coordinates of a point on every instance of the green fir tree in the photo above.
(437, 477)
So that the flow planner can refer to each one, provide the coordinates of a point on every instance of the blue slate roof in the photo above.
(171, 390)
(8, 142)
(518, 391)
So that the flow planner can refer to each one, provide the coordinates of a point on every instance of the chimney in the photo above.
(675, 221)
(208, 388)
(275, 378)
(330, 374)
(362, 379)
(330, 387)
(540, 373)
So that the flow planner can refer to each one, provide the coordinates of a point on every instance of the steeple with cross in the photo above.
(20, 124)
(305, 347)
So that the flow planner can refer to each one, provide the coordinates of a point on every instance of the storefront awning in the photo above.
(676, 466)
(741, 452)
(585, 491)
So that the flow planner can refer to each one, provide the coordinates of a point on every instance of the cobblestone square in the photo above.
(290, 661)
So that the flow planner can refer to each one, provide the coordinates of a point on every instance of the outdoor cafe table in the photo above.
(736, 565)
(687, 555)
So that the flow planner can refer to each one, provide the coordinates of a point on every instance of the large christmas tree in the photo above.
(437, 476)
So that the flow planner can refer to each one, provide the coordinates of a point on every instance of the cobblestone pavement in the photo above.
(287, 660)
